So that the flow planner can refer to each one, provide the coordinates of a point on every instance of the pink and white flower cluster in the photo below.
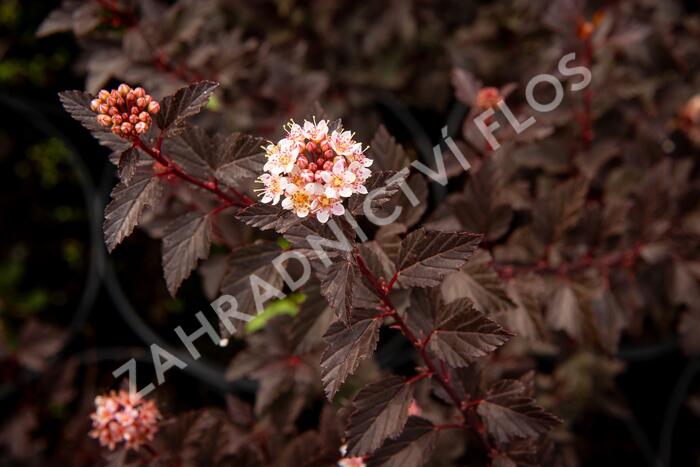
(313, 169)
(124, 417)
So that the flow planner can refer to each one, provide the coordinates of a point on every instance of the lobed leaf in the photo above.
(425, 257)
(383, 187)
(266, 216)
(412, 448)
(380, 411)
(77, 104)
(128, 202)
(238, 157)
(186, 241)
(479, 283)
(186, 102)
(462, 333)
(338, 284)
(386, 152)
(128, 162)
(346, 347)
(509, 414)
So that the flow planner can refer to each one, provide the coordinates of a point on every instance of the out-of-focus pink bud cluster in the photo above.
(127, 111)
(488, 98)
(124, 417)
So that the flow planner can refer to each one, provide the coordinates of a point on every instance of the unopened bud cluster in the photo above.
(488, 97)
(127, 111)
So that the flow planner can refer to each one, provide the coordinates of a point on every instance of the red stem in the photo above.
(211, 186)
(125, 17)
(626, 258)
(441, 378)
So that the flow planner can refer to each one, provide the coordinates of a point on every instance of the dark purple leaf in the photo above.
(244, 262)
(238, 157)
(338, 285)
(186, 241)
(266, 216)
(380, 411)
(412, 448)
(346, 347)
(462, 333)
(387, 154)
(425, 257)
(509, 414)
(77, 104)
(384, 185)
(186, 102)
(128, 162)
(128, 202)
(479, 283)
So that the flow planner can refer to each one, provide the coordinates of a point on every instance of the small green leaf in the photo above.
(285, 306)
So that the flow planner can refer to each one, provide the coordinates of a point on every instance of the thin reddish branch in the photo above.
(626, 258)
(120, 17)
(466, 408)
(212, 186)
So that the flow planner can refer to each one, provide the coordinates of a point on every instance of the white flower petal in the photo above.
(338, 209)
(323, 216)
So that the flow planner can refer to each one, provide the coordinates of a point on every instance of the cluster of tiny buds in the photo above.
(322, 157)
(488, 97)
(127, 111)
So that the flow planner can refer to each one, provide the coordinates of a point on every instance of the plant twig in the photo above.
(465, 408)
(212, 186)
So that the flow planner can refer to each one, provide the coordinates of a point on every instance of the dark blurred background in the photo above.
(70, 314)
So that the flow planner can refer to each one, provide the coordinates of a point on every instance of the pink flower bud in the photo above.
(153, 107)
(126, 127)
(141, 102)
(328, 154)
(112, 102)
(140, 92)
(302, 162)
(104, 120)
(134, 119)
(328, 165)
(311, 146)
(103, 109)
(123, 89)
(313, 167)
(144, 117)
(95, 105)
(103, 95)
(141, 127)
(325, 146)
(135, 110)
(307, 176)
(117, 119)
